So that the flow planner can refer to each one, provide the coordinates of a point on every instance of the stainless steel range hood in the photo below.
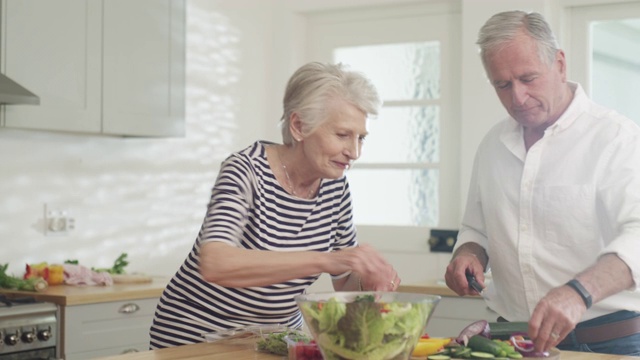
(13, 93)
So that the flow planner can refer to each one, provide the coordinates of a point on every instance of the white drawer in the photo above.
(108, 325)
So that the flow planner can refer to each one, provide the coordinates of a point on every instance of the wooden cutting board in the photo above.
(131, 278)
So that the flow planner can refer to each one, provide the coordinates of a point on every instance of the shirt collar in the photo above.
(572, 112)
(512, 132)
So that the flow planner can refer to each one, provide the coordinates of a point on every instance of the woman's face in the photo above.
(332, 147)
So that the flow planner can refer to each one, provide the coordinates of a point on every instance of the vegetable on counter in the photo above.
(475, 342)
(429, 346)
(274, 343)
(15, 283)
(118, 266)
(52, 274)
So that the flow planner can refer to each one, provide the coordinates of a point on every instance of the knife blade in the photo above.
(475, 285)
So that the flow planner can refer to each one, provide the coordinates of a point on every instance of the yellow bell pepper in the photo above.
(426, 347)
(56, 275)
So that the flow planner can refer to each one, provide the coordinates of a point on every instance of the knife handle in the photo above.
(474, 284)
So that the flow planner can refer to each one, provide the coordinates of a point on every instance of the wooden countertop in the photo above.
(219, 351)
(433, 287)
(68, 295)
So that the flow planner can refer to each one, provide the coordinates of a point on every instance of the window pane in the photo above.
(615, 69)
(395, 197)
(403, 134)
(404, 71)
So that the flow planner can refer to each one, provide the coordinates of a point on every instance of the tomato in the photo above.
(425, 336)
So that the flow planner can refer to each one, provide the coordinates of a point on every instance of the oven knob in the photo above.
(12, 339)
(28, 337)
(44, 335)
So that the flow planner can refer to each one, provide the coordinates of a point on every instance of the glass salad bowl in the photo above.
(366, 325)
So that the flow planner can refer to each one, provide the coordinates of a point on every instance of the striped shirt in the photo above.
(249, 209)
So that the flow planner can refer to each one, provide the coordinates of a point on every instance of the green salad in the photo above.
(366, 329)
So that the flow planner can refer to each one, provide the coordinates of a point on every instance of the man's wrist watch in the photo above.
(584, 294)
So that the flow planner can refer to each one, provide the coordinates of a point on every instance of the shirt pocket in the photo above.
(569, 215)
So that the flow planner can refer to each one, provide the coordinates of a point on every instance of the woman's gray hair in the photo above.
(505, 26)
(314, 85)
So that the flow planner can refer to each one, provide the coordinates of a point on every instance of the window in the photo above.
(605, 54)
(408, 174)
(402, 155)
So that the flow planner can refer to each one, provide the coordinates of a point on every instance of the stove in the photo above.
(28, 329)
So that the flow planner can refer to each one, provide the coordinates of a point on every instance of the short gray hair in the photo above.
(505, 26)
(314, 85)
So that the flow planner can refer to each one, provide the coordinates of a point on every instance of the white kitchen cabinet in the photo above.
(454, 313)
(107, 329)
(113, 67)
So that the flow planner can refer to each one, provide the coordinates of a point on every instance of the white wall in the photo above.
(147, 197)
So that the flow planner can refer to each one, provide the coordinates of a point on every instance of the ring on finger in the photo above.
(393, 283)
(555, 335)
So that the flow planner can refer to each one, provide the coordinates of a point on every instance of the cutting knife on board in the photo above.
(475, 285)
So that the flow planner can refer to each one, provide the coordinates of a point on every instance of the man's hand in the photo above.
(555, 316)
(562, 308)
(471, 259)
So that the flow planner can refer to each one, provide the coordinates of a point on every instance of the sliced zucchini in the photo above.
(482, 355)
(438, 357)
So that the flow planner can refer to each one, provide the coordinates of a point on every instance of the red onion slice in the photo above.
(525, 347)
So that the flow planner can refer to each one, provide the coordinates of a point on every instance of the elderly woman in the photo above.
(279, 217)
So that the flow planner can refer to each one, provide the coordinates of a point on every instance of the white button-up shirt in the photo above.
(547, 214)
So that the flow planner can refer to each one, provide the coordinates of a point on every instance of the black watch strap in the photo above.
(584, 294)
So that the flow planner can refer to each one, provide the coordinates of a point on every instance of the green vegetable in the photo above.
(274, 343)
(438, 357)
(461, 352)
(365, 329)
(118, 266)
(482, 355)
(481, 344)
(16, 283)
(504, 330)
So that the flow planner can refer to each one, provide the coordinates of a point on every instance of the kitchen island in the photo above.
(220, 351)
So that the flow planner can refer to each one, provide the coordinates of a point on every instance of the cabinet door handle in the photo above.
(128, 351)
(129, 308)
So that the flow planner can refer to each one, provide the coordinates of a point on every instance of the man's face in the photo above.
(531, 91)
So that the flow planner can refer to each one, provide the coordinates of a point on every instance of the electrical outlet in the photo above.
(58, 220)
(442, 240)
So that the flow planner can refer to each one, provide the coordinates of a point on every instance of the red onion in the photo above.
(525, 347)
(480, 327)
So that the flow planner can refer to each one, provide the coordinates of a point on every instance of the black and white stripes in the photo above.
(250, 209)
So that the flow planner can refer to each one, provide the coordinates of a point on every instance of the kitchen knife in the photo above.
(475, 285)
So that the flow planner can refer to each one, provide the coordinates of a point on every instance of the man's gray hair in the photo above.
(314, 85)
(505, 26)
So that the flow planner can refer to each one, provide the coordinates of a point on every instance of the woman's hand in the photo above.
(374, 271)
